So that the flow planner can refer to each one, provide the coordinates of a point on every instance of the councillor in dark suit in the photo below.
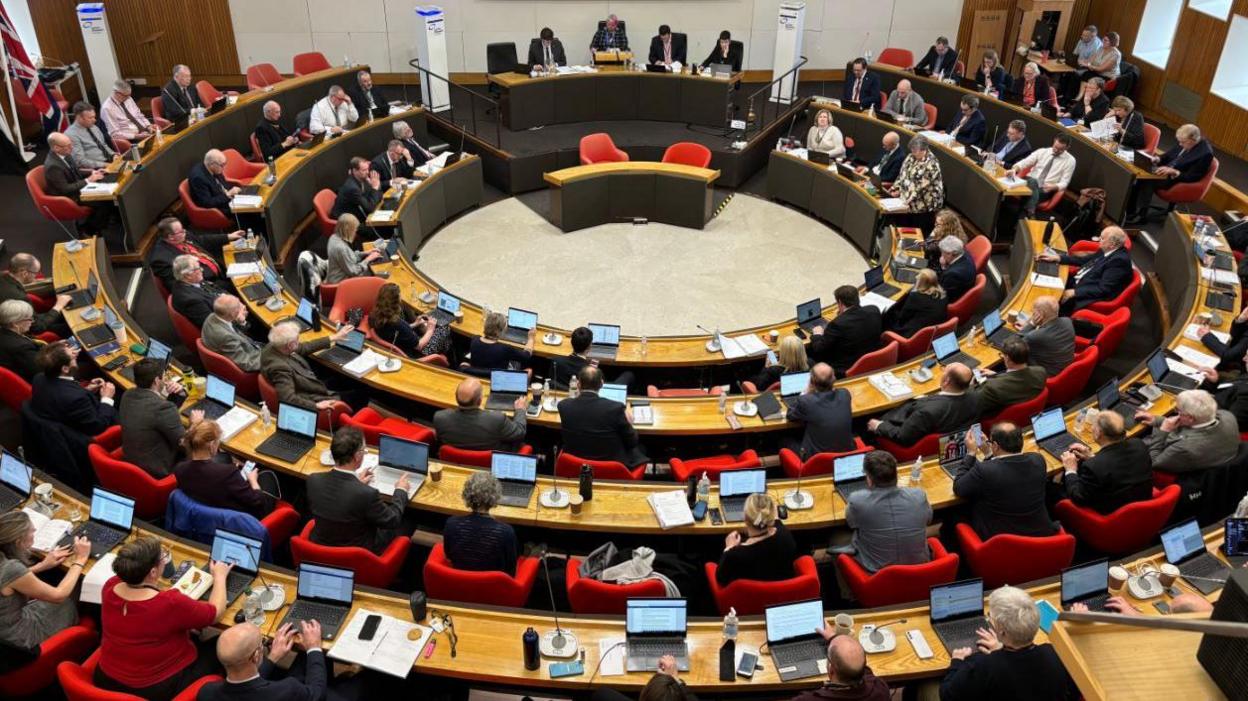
(1006, 491)
(1189, 161)
(667, 48)
(348, 511)
(968, 126)
(1021, 381)
(1119, 473)
(367, 97)
(179, 97)
(360, 192)
(956, 269)
(546, 50)
(1012, 146)
(395, 163)
(565, 367)
(596, 428)
(273, 136)
(191, 296)
(64, 176)
(826, 414)
(952, 409)
(18, 351)
(854, 332)
(283, 365)
(208, 186)
(610, 35)
(1050, 337)
(926, 304)
(215, 480)
(861, 85)
(173, 240)
(251, 675)
(56, 395)
(887, 165)
(151, 428)
(470, 427)
(940, 61)
(24, 270)
(1102, 276)
(726, 51)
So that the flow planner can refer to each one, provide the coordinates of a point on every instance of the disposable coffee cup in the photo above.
(435, 473)
(1168, 573)
(774, 334)
(536, 389)
(575, 503)
(844, 624)
(1117, 578)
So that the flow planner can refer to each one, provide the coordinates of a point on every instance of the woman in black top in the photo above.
(477, 542)
(991, 72)
(216, 482)
(488, 353)
(416, 336)
(1130, 123)
(924, 305)
(765, 552)
(791, 358)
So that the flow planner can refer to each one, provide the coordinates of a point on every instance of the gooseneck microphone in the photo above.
(558, 642)
(74, 244)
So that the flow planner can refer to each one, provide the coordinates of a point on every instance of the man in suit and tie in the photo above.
(889, 522)
(173, 240)
(223, 333)
(940, 61)
(667, 48)
(952, 409)
(610, 35)
(394, 166)
(1119, 473)
(956, 269)
(1050, 337)
(208, 186)
(272, 136)
(1197, 437)
(92, 148)
(596, 428)
(826, 413)
(854, 332)
(178, 98)
(726, 51)
(284, 366)
(1006, 491)
(888, 164)
(360, 192)
(1012, 146)
(56, 395)
(151, 429)
(1102, 276)
(1188, 162)
(64, 176)
(349, 512)
(861, 86)
(470, 427)
(968, 126)
(1019, 383)
(367, 97)
(24, 270)
(191, 296)
(251, 675)
(404, 133)
(546, 50)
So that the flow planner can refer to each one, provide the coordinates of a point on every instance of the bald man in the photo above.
(888, 164)
(65, 176)
(470, 427)
(827, 414)
(224, 332)
(908, 104)
(248, 670)
(1050, 337)
(1121, 471)
(209, 188)
(1102, 276)
(849, 677)
(273, 137)
(952, 409)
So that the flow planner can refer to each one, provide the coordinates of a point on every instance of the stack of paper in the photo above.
(246, 202)
(1184, 369)
(235, 420)
(1190, 334)
(1010, 181)
(48, 531)
(100, 188)
(363, 363)
(1195, 358)
(1226, 278)
(391, 650)
(611, 654)
(741, 346)
(671, 509)
(879, 301)
(890, 385)
(382, 215)
(935, 136)
(243, 269)
(93, 583)
(892, 204)
(1049, 281)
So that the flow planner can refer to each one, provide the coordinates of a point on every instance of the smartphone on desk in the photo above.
(533, 409)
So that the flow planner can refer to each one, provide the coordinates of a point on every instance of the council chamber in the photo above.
(624, 350)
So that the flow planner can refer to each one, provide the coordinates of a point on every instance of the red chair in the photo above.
(682, 392)
(932, 115)
(959, 67)
(599, 148)
(749, 597)
(53, 207)
(901, 58)
(371, 570)
(979, 249)
(947, 326)
(238, 169)
(1066, 386)
(72, 644)
(1113, 329)
(373, 425)
(187, 332)
(257, 154)
(875, 360)
(1018, 414)
(1124, 299)
(115, 474)
(262, 75)
(682, 470)
(899, 584)
(1084, 247)
(568, 465)
(817, 464)
(202, 217)
(121, 145)
(443, 581)
(13, 389)
(1014, 559)
(356, 292)
(1152, 137)
(1051, 203)
(323, 204)
(78, 685)
(927, 445)
(592, 596)
(327, 292)
(688, 153)
(1187, 193)
(325, 420)
(208, 94)
(1128, 529)
(749, 387)
(965, 306)
(310, 62)
(474, 458)
(158, 109)
(912, 347)
(246, 384)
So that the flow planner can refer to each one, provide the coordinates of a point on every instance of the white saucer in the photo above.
(550, 404)
(327, 458)
(279, 597)
(712, 346)
(389, 365)
(745, 409)
(1145, 588)
(274, 304)
(428, 297)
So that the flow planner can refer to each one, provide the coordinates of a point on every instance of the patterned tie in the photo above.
(857, 88)
(667, 51)
(205, 260)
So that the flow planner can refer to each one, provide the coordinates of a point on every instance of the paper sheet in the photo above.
(1190, 334)
(611, 652)
(100, 188)
(243, 269)
(235, 420)
(1193, 357)
(93, 583)
(879, 301)
(1226, 278)
(890, 385)
(1049, 281)
(1184, 369)
(246, 202)
(382, 215)
(892, 204)
(363, 363)
(671, 509)
(390, 651)
(643, 415)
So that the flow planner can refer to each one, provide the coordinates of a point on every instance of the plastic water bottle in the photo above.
(252, 610)
(251, 238)
(730, 625)
(415, 294)
(266, 416)
(916, 472)
(868, 56)
(574, 387)
(1080, 419)
(704, 488)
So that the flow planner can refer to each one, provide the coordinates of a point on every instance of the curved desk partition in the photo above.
(607, 193)
(842, 203)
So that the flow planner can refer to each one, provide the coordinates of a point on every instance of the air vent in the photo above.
(1177, 99)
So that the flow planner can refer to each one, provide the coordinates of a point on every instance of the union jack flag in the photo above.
(21, 68)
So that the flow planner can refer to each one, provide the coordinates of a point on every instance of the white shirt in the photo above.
(325, 116)
(1059, 173)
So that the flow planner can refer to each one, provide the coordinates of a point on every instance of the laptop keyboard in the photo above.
(600, 351)
(955, 633)
(794, 653)
(338, 355)
(515, 335)
(1203, 566)
(960, 357)
(1056, 445)
(845, 490)
(9, 499)
(286, 446)
(658, 648)
(885, 289)
(516, 490)
(1095, 603)
(330, 617)
(211, 409)
(102, 537)
(442, 316)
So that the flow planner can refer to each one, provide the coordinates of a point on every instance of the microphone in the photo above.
(554, 496)
(558, 642)
(788, 137)
(876, 637)
(266, 597)
(797, 499)
(74, 244)
(713, 345)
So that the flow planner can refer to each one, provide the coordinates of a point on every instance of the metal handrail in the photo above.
(759, 121)
(473, 97)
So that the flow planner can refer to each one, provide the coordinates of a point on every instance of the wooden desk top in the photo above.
(406, 196)
(559, 178)
(1049, 65)
(513, 79)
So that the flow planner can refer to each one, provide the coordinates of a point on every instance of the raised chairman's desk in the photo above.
(612, 94)
(606, 193)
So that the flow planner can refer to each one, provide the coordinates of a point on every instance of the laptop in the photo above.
(1235, 541)
(1166, 378)
(1110, 399)
(112, 516)
(873, 280)
(606, 342)
(101, 333)
(1086, 584)
(947, 351)
(792, 384)
(445, 309)
(14, 482)
(241, 551)
(218, 399)
(305, 315)
(295, 434)
(904, 273)
(324, 595)
(996, 330)
(810, 314)
(735, 486)
(1051, 434)
(614, 392)
(820, 157)
(517, 474)
(312, 143)
(519, 323)
(848, 475)
(506, 386)
(797, 649)
(654, 628)
(269, 287)
(957, 611)
(1185, 548)
(346, 350)
(721, 70)
(1143, 161)
(84, 297)
(396, 457)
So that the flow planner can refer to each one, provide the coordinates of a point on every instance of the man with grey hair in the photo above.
(93, 149)
(610, 35)
(470, 427)
(178, 98)
(18, 351)
(477, 542)
(1006, 663)
(849, 677)
(404, 133)
(906, 103)
(283, 364)
(1120, 472)
(223, 333)
(271, 135)
(366, 97)
(122, 116)
(348, 510)
(65, 176)
(24, 270)
(1199, 436)
(1050, 337)
(956, 269)
(1102, 276)
(394, 166)
(333, 114)
(208, 186)
(191, 296)
(1091, 105)
(1188, 161)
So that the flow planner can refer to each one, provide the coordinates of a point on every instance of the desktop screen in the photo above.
(412, 456)
(517, 468)
(957, 599)
(794, 620)
(240, 550)
(330, 583)
(656, 616)
(296, 420)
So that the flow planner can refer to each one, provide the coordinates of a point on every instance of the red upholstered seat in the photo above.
(688, 153)
(202, 217)
(979, 249)
(932, 115)
(323, 204)
(599, 148)
(1066, 386)
(281, 523)
(568, 465)
(77, 685)
(371, 570)
(356, 292)
(246, 384)
(927, 445)
(72, 644)
(262, 75)
(817, 464)
(473, 458)
(158, 109)
(1128, 529)
(749, 388)
(208, 94)
(187, 332)
(592, 596)
(682, 470)
(116, 475)
(1152, 137)
(1187, 193)
(1113, 329)
(373, 425)
(655, 392)
(749, 597)
(309, 62)
(1124, 299)
(257, 153)
(443, 581)
(324, 418)
(914, 346)
(964, 307)
(899, 584)
(901, 58)
(1018, 414)
(875, 360)
(238, 169)
(1014, 559)
(52, 207)
(13, 389)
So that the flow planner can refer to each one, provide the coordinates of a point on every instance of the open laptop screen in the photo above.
(651, 616)
(112, 509)
(448, 303)
(957, 599)
(945, 345)
(15, 473)
(240, 550)
(295, 420)
(992, 322)
(304, 312)
(1237, 536)
(325, 583)
(797, 620)
(605, 334)
(412, 456)
(1078, 582)
(1182, 540)
(514, 467)
(220, 391)
(1048, 423)
(508, 381)
(792, 383)
(1107, 395)
(735, 483)
(809, 310)
(1157, 366)
(521, 319)
(616, 393)
(848, 468)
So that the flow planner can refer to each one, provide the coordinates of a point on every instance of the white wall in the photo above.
(379, 32)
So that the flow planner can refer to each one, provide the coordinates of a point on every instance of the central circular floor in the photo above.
(748, 267)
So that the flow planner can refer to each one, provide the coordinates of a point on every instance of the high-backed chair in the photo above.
(262, 75)
(1126, 530)
(473, 458)
(1046, 204)
(1014, 559)
(195, 520)
(1113, 329)
(1066, 386)
(30, 672)
(912, 347)
(1152, 137)
(53, 207)
(750, 597)
(1018, 414)
(979, 249)
(500, 57)
(202, 217)
(927, 445)
(246, 384)
(748, 387)
(77, 683)
(875, 360)
(208, 93)
(158, 109)
(592, 596)
(817, 464)
(569, 465)
(901, 58)
(682, 469)
(443, 581)
(238, 169)
(14, 389)
(371, 570)
(1124, 299)
(373, 425)
(116, 475)
(356, 293)
(964, 307)
(1187, 193)
(187, 332)
(309, 62)
(599, 148)
(899, 584)
(323, 204)
(932, 115)
(688, 153)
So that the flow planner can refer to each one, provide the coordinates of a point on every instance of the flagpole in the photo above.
(16, 135)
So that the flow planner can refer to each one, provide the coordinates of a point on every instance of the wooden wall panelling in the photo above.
(966, 27)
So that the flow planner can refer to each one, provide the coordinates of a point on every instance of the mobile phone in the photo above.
(782, 511)
(247, 468)
(533, 409)
(717, 518)
(566, 669)
(977, 435)
(699, 511)
(800, 333)
(749, 661)
(771, 357)
(1162, 607)
(370, 626)
(930, 363)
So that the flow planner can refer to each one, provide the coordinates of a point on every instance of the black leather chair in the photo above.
(1213, 494)
(61, 451)
(500, 57)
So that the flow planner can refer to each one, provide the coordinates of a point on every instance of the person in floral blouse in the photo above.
(920, 185)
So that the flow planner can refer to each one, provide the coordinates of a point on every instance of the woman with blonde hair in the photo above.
(924, 305)
(948, 223)
(31, 610)
(764, 552)
(825, 137)
(344, 261)
(416, 336)
(215, 480)
(791, 358)
(488, 353)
